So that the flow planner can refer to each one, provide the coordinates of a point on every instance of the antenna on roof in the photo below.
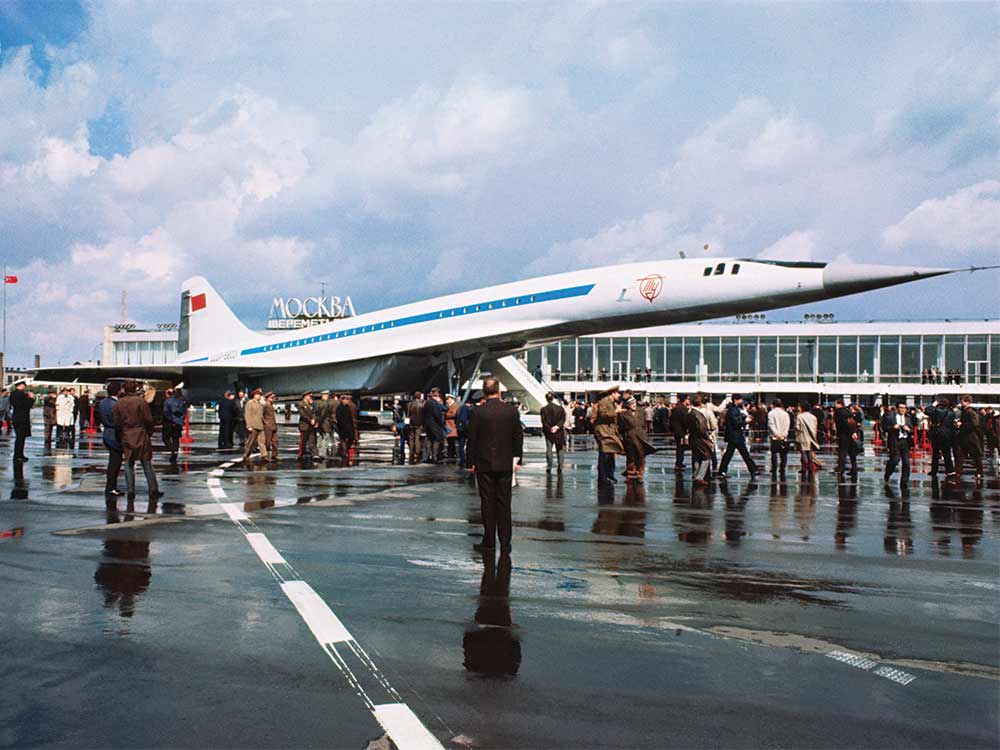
(123, 313)
(681, 253)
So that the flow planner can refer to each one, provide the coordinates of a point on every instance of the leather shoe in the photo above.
(480, 547)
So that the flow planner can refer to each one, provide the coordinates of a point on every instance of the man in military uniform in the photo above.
(324, 423)
(415, 413)
(307, 428)
(270, 420)
(253, 413)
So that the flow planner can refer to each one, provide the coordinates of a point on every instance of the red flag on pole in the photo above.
(10, 279)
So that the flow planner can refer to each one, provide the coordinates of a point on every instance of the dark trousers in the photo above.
(845, 449)
(114, 470)
(462, 440)
(969, 449)
(20, 435)
(147, 469)
(413, 438)
(49, 426)
(494, 500)
(733, 446)
(605, 467)
(172, 438)
(899, 454)
(941, 448)
(680, 447)
(226, 433)
(401, 446)
(779, 455)
(240, 428)
(307, 441)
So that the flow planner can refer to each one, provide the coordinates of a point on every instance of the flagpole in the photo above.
(3, 363)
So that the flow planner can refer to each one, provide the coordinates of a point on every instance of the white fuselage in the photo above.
(524, 313)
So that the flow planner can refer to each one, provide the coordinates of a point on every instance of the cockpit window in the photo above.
(720, 269)
(708, 271)
(736, 268)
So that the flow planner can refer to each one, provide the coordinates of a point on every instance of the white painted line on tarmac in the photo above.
(404, 728)
(398, 720)
(234, 511)
(323, 623)
(264, 549)
(863, 662)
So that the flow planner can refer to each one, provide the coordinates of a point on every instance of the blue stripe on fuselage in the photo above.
(451, 312)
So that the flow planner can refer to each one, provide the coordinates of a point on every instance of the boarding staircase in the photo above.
(519, 381)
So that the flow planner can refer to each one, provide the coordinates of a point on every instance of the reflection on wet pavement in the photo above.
(628, 597)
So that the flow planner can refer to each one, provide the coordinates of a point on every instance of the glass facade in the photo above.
(801, 358)
(143, 352)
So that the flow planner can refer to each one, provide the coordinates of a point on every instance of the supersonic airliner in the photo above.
(407, 347)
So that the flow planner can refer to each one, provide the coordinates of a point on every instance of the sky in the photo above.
(395, 151)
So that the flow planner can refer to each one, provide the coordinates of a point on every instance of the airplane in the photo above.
(406, 348)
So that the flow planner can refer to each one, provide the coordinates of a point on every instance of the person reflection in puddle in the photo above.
(124, 574)
(492, 646)
(20, 489)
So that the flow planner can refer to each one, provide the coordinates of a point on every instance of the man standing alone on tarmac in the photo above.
(20, 404)
(495, 446)
(554, 429)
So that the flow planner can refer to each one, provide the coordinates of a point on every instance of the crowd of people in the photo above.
(484, 434)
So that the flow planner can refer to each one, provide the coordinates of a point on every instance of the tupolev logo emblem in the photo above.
(650, 286)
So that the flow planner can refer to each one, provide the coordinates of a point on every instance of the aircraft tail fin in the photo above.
(206, 322)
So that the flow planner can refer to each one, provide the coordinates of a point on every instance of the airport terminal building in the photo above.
(862, 360)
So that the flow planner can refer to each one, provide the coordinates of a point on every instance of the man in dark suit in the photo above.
(736, 420)
(969, 445)
(678, 426)
(847, 431)
(227, 418)
(495, 441)
(21, 402)
(554, 429)
(433, 426)
(897, 426)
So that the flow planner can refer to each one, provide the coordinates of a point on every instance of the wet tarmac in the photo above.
(747, 614)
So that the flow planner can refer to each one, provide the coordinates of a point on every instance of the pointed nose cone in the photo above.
(847, 278)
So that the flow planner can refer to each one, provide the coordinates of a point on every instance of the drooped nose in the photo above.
(848, 278)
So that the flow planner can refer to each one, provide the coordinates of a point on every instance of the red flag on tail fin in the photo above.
(10, 279)
(198, 302)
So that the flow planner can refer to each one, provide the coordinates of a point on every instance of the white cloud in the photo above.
(436, 143)
(801, 245)
(656, 234)
(62, 161)
(966, 220)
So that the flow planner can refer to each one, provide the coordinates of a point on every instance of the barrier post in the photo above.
(187, 439)
(91, 427)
